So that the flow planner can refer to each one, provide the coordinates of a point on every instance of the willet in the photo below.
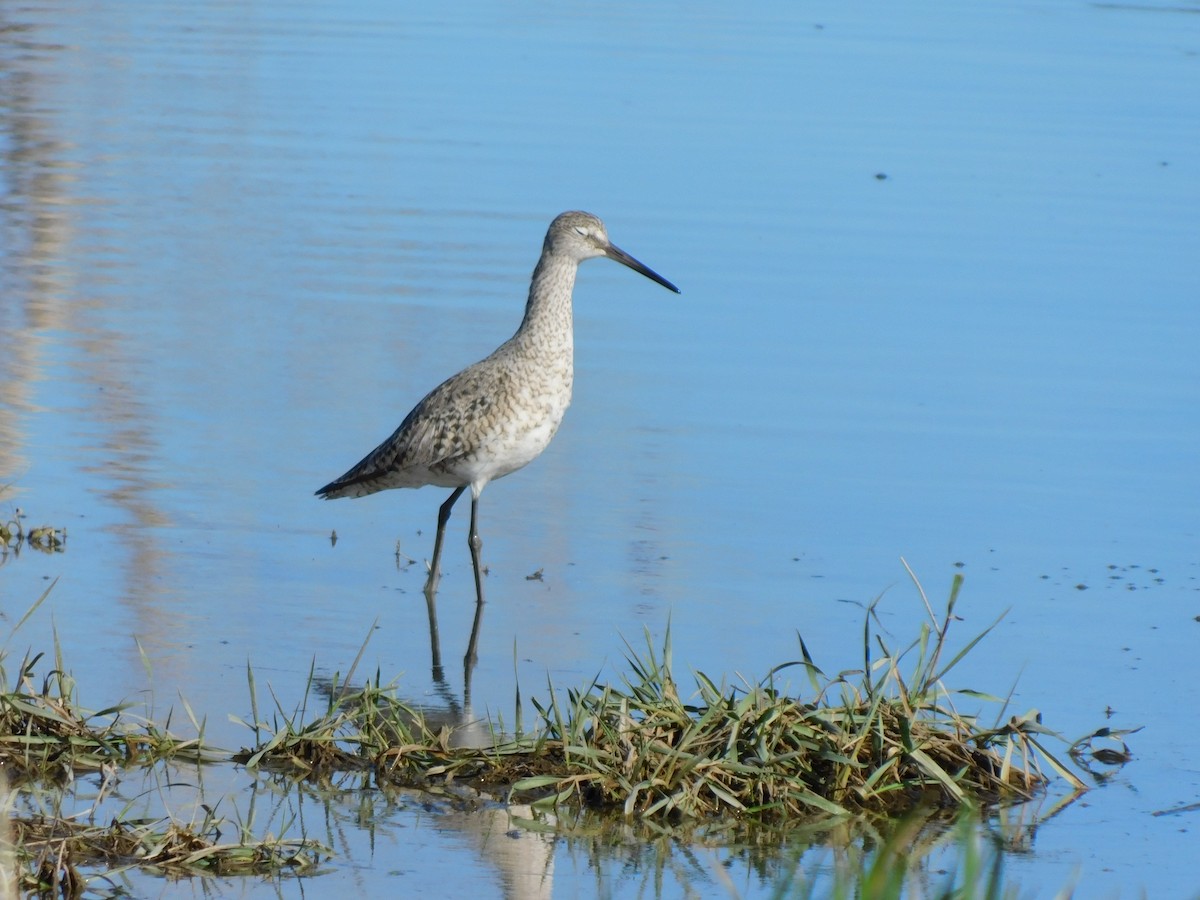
(499, 414)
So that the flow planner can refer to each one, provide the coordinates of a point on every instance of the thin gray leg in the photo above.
(435, 565)
(476, 546)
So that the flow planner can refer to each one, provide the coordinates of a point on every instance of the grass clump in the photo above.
(46, 734)
(355, 729)
(886, 738)
(54, 853)
(369, 729)
(355, 726)
(48, 738)
(14, 535)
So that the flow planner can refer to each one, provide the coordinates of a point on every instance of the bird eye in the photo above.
(580, 230)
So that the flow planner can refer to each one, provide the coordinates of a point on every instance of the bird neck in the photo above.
(548, 310)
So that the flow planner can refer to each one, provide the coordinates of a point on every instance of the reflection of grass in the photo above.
(911, 861)
(918, 855)
(883, 740)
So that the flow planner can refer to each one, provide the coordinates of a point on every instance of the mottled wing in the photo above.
(439, 430)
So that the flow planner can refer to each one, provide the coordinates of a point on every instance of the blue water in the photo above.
(940, 286)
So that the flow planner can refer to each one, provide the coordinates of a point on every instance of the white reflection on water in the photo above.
(239, 242)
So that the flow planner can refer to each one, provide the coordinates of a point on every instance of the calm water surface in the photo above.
(940, 286)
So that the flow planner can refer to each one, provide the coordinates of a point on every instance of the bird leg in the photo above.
(476, 545)
(435, 566)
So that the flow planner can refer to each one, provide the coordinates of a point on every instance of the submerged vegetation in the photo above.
(14, 535)
(884, 740)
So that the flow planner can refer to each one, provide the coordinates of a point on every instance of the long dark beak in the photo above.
(616, 253)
